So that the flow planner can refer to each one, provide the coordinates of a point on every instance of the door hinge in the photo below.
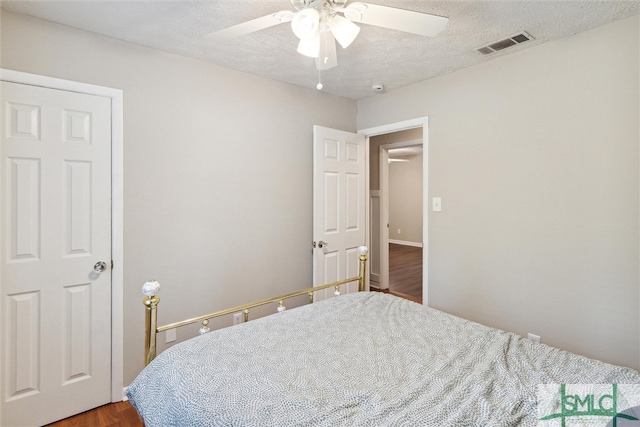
(112, 264)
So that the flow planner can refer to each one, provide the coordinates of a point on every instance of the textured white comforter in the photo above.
(365, 359)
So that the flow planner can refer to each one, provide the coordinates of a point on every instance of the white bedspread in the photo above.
(365, 359)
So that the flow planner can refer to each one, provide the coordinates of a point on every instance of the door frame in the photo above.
(117, 205)
(396, 127)
(384, 205)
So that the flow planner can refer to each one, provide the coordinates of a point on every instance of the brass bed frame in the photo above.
(151, 300)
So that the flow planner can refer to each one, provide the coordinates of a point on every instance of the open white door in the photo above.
(339, 206)
(56, 254)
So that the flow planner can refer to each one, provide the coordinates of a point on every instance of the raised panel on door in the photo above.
(77, 333)
(352, 265)
(23, 210)
(331, 202)
(78, 202)
(22, 122)
(331, 266)
(353, 202)
(77, 126)
(22, 356)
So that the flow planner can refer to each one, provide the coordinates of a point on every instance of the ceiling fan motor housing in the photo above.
(317, 4)
(307, 4)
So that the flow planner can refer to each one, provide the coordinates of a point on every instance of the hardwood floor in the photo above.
(405, 271)
(119, 414)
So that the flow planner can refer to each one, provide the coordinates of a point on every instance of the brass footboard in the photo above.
(151, 288)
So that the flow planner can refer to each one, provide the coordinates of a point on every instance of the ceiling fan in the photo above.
(320, 23)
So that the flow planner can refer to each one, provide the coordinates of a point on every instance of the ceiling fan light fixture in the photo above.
(310, 47)
(327, 57)
(354, 11)
(344, 31)
(306, 24)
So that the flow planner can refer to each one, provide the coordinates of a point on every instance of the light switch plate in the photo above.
(436, 204)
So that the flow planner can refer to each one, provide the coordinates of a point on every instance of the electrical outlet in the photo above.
(533, 337)
(170, 335)
(237, 318)
(398, 231)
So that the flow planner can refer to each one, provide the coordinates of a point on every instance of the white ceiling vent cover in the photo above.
(504, 43)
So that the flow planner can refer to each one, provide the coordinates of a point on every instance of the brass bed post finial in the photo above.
(151, 300)
(363, 254)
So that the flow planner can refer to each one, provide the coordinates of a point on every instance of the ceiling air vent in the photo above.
(505, 43)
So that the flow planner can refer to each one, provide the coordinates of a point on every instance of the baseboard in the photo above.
(375, 277)
(397, 294)
(124, 394)
(378, 289)
(405, 243)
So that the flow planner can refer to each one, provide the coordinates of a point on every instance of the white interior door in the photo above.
(56, 226)
(339, 206)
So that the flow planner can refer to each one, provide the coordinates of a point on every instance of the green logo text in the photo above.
(588, 405)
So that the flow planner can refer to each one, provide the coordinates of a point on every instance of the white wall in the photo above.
(535, 155)
(405, 200)
(218, 172)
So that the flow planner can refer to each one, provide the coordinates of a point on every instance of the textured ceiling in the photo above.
(378, 56)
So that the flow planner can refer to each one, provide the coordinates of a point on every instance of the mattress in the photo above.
(363, 359)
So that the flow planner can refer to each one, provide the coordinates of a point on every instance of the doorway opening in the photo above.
(398, 236)
(401, 182)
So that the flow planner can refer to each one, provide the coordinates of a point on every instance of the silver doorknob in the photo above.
(322, 244)
(100, 266)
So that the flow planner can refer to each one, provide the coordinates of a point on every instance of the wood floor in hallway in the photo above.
(405, 270)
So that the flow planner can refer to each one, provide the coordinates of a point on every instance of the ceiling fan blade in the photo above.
(249, 27)
(423, 24)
